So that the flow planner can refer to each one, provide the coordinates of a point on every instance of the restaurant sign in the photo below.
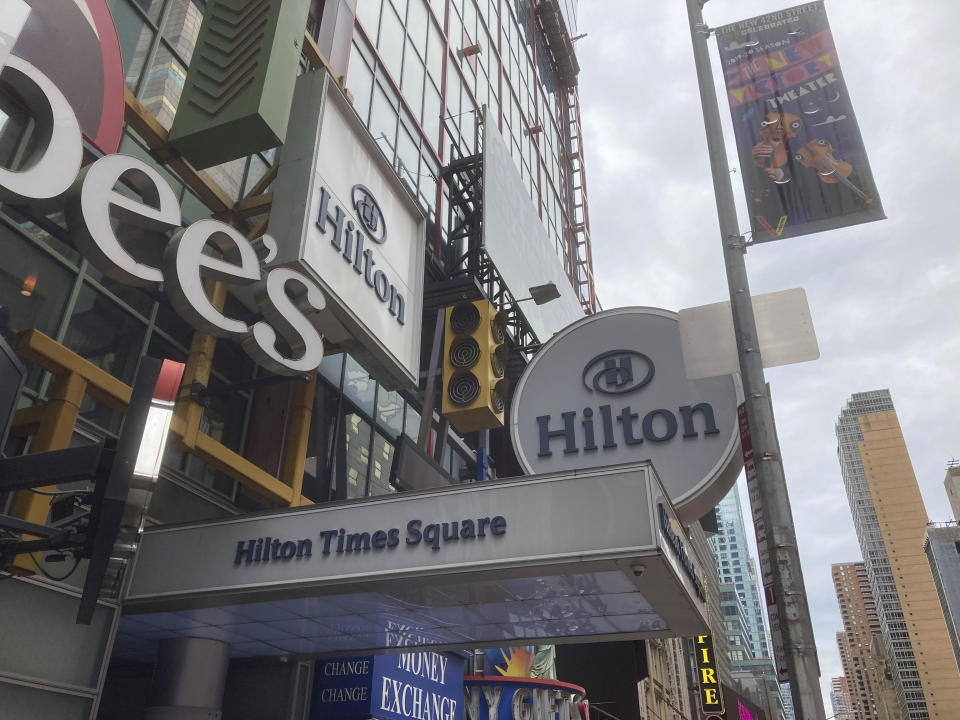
(125, 219)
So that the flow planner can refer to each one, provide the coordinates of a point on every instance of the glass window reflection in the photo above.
(33, 288)
(105, 335)
(358, 386)
(390, 412)
(163, 86)
(135, 37)
(357, 443)
(380, 469)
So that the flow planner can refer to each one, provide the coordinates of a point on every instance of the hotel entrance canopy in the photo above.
(586, 555)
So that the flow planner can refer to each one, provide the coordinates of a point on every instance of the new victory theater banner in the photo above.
(802, 159)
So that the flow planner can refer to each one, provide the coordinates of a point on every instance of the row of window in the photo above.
(403, 48)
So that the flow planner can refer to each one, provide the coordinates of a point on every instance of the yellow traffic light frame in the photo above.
(474, 366)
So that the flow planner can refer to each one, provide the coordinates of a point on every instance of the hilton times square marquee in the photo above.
(574, 552)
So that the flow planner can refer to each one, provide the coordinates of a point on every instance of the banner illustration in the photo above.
(802, 159)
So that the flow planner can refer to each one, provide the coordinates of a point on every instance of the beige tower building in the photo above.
(890, 520)
(860, 623)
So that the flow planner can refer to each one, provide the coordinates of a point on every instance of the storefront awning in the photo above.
(593, 555)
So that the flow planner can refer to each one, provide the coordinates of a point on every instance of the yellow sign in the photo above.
(711, 694)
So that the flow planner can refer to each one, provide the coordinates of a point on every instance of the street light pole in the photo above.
(791, 611)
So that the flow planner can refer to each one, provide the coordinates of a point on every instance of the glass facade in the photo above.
(750, 649)
(736, 566)
(942, 546)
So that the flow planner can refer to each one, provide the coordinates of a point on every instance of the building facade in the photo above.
(787, 696)
(860, 623)
(951, 483)
(664, 693)
(890, 518)
(942, 547)
(840, 699)
(737, 566)
(738, 573)
(736, 626)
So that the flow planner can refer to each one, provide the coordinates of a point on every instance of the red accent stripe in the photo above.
(504, 680)
(168, 382)
(111, 115)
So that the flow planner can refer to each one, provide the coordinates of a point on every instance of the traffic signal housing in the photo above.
(474, 365)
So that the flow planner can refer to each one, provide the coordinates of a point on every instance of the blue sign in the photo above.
(342, 688)
(419, 686)
(409, 686)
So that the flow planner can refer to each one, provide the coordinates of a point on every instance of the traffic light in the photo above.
(474, 364)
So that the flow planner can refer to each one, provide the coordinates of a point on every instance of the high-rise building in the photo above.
(860, 623)
(885, 697)
(889, 518)
(787, 695)
(738, 575)
(942, 547)
(735, 626)
(736, 565)
(840, 699)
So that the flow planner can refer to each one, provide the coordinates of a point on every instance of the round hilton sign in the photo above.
(611, 389)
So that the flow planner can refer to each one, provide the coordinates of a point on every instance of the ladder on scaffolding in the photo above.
(581, 260)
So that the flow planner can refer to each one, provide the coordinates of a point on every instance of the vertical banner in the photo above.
(802, 159)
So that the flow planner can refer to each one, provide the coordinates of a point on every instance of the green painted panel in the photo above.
(239, 87)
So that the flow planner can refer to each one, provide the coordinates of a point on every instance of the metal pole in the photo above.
(791, 602)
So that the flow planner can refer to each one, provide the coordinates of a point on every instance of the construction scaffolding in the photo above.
(579, 261)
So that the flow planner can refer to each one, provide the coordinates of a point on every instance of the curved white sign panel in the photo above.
(611, 389)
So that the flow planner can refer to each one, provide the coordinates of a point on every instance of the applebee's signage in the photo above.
(126, 236)
(611, 389)
(135, 237)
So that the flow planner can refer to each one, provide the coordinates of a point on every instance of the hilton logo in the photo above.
(347, 239)
(613, 373)
(371, 217)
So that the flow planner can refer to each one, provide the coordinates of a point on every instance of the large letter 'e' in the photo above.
(48, 171)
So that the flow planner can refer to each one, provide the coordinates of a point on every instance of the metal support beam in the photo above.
(784, 560)
(22, 527)
(430, 394)
(50, 468)
(298, 437)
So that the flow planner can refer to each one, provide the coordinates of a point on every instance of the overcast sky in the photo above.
(885, 296)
